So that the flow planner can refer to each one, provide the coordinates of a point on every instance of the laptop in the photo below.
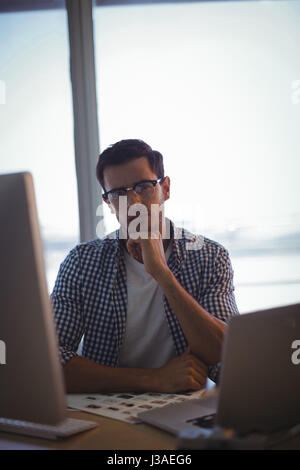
(259, 389)
(32, 388)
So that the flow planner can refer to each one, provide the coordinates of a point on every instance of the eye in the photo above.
(141, 187)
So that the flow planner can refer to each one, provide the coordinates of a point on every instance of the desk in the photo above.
(109, 435)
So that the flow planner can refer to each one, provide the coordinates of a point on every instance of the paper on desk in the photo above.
(126, 406)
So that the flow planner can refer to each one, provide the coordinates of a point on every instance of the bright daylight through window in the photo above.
(36, 122)
(215, 87)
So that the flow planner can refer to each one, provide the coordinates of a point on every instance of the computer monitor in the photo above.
(31, 380)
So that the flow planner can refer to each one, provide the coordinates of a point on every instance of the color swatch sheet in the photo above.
(126, 406)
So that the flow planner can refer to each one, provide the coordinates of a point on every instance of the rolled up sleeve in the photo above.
(67, 307)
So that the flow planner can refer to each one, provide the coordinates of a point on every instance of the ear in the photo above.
(165, 186)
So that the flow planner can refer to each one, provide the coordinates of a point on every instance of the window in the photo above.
(216, 88)
(37, 124)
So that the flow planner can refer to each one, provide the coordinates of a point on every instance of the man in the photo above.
(152, 304)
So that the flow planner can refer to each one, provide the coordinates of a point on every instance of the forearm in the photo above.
(180, 374)
(203, 331)
(85, 376)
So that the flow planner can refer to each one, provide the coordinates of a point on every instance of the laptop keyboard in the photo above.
(67, 428)
(207, 421)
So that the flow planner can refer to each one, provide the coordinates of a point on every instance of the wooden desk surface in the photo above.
(109, 435)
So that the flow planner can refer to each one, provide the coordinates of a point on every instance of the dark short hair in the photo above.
(126, 150)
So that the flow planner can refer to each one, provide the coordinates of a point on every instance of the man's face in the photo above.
(127, 175)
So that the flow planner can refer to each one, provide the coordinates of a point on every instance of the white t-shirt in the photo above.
(147, 342)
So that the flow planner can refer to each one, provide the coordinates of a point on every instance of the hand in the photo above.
(150, 252)
(182, 373)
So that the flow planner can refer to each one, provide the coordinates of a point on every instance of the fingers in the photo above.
(193, 360)
(199, 377)
(132, 245)
(134, 250)
(196, 368)
(182, 373)
(198, 365)
(195, 384)
(189, 358)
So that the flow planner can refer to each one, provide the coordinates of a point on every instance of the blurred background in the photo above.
(213, 85)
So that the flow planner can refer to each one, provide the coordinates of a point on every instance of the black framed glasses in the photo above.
(144, 188)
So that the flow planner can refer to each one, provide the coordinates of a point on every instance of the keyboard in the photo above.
(66, 428)
(207, 421)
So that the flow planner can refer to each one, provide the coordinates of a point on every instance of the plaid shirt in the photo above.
(90, 294)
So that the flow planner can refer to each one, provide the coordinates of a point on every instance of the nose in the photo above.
(133, 198)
